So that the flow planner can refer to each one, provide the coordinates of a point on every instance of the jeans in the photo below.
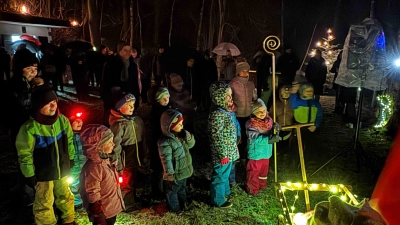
(219, 187)
(176, 193)
(232, 175)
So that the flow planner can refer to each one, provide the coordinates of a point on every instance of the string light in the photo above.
(386, 104)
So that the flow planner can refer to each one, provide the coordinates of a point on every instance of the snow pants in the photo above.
(49, 192)
(176, 194)
(257, 172)
(219, 187)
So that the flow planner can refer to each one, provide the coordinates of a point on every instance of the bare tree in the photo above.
(125, 19)
(200, 26)
(171, 23)
(140, 24)
(94, 24)
(211, 27)
(221, 24)
(131, 11)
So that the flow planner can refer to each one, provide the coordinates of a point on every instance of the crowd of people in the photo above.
(104, 159)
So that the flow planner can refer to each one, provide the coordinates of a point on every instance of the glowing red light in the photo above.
(120, 179)
(79, 114)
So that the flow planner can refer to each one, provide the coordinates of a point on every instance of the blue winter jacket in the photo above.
(257, 143)
(301, 110)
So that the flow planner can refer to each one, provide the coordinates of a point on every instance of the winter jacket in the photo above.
(45, 150)
(181, 102)
(242, 90)
(173, 150)
(284, 112)
(129, 139)
(257, 143)
(222, 128)
(302, 113)
(316, 74)
(99, 182)
(79, 159)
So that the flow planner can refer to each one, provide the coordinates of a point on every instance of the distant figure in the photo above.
(159, 67)
(316, 73)
(145, 74)
(4, 65)
(288, 63)
(228, 66)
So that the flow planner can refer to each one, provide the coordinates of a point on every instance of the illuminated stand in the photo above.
(270, 44)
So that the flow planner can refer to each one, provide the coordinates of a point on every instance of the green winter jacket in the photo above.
(45, 151)
(173, 150)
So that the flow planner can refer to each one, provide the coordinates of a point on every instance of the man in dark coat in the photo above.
(120, 74)
(4, 65)
(288, 64)
(316, 73)
(159, 67)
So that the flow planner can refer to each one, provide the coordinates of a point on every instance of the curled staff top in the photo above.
(271, 43)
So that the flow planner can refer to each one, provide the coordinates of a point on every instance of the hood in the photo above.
(116, 116)
(166, 120)
(91, 136)
(302, 88)
(280, 92)
(218, 93)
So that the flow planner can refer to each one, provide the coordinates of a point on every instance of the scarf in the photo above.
(46, 120)
(261, 124)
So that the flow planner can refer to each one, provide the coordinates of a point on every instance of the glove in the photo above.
(96, 210)
(224, 161)
(170, 177)
(31, 181)
(71, 164)
(276, 126)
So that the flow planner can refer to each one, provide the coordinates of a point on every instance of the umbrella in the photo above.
(31, 46)
(224, 46)
(81, 46)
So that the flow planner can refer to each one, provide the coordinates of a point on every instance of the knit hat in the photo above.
(120, 98)
(175, 121)
(41, 96)
(257, 105)
(175, 80)
(161, 92)
(24, 58)
(242, 66)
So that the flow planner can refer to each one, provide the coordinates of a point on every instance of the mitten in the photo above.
(96, 210)
(276, 126)
(71, 164)
(224, 161)
(189, 136)
(31, 181)
(275, 138)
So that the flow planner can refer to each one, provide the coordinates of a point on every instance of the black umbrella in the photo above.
(29, 45)
(81, 46)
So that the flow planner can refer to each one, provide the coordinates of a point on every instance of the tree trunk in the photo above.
(48, 9)
(200, 25)
(131, 10)
(125, 17)
(140, 24)
(222, 5)
(159, 8)
(211, 27)
(94, 24)
(170, 23)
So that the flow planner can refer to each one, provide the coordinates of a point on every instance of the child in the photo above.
(100, 191)
(173, 147)
(284, 112)
(160, 104)
(223, 140)
(46, 153)
(259, 130)
(244, 93)
(130, 145)
(79, 159)
(306, 108)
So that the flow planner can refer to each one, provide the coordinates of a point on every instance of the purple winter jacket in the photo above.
(242, 94)
(99, 181)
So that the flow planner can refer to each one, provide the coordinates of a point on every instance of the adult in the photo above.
(4, 65)
(210, 75)
(145, 76)
(228, 66)
(120, 73)
(159, 67)
(316, 73)
(79, 68)
(288, 64)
